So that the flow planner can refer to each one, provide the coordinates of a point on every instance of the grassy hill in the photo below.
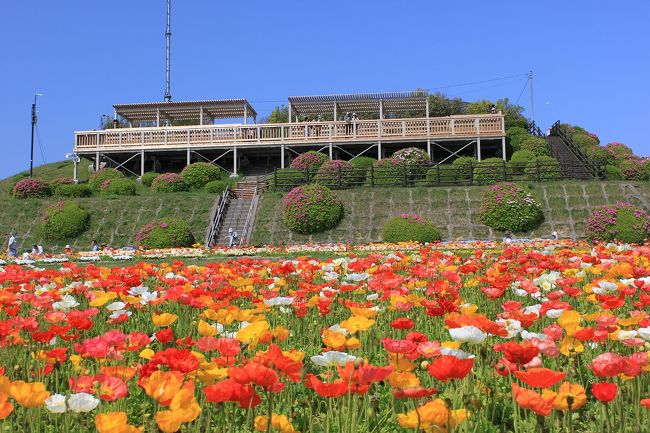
(454, 210)
(114, 220)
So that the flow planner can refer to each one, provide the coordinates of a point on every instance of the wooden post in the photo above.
(381, 109)
(505, 171)
(282, 156)
(330, 149)
(289, 110)
(478, 148)
(379, 151)
(97, 161)
(75, 174)
(201, 115)
(429, 148)
(141, 163)
(245, 114)
(234, 160)
(503, 147)
(189, 156)
(157, 116)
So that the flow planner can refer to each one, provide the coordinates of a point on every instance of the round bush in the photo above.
(585, 142)
(216, 186)
(335, 174)
(549, 169)
(148, 178)
(287, 178)
(519, 160)
(122, 186)
(464, 167)
(538, 146)
(62, 181)
(612, 172)
(633, 168)
(165, 233)
(443, 174)
(198, 174)
(618, 152)
(410, 228)
(98, 178)
(169, 182)
(411, 156)
(311, 160)
(489, 170)
(64, 221)
(72, 190)
(623, 222)
(312, 209)
(31, 188)
(515, 136)
(506, 207)
(387, 172)
(361, 166)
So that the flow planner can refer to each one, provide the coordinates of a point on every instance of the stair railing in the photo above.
(217, 218)
(247, 223)
(558, 130)
(533, 129)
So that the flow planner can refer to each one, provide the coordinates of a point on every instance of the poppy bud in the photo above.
(424, 365)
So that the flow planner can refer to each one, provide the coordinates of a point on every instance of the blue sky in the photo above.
(590, 58)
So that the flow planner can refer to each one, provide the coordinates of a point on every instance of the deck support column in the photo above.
(330, 151)
(478, 148)
(189, 156)
(75, 173)
(234, 161)
(97, 161)
(282, 156)
(429, 148)
(503, 147)
(141, 163)
(379, 151)
(201, 116)
(245, 115)
(289, 111)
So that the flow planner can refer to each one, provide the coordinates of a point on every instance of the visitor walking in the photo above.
(554, 236)
(12, 245)
(232, 237)
(94, 247)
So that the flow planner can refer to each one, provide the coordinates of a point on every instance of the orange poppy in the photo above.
(539, 377)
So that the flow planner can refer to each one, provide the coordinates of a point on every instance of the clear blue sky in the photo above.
(591, 59)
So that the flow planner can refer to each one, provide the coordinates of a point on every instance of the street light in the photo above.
(34, 120)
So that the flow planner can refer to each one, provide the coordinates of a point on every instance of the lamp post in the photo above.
(34, 120)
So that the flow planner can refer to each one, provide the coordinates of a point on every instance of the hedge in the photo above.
(64, 221)
(120, 186)
(200, 173)
(169, 182)
(98, 178)
(507, 207)
(410, 228)
(312, 209)
(72, 190)
(165, 233)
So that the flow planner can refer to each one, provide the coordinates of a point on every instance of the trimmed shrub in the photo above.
(148, 178)
(64, 220)
(410, 228)
(165, 233)
(507, 207)
(335, 174)
(618, 152)
(289, 178)
(585, 142)
(216, 186)
(198, 174)
(312, 209)
(612, 172)
(416, 161)
(311, 160)
(361, 166)
(386, 172)
(443, 173)
(519, 160)
(622, 221)
(98, 178)
(464, 167)
(537, 145)
(72, 190)
(62, 181)
(549, 169)
(31, 188)
(122, 186)
(489, 170)
(633, 168)
(515, 136)
(169, 182)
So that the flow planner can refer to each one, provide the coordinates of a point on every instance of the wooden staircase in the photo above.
(239, 213)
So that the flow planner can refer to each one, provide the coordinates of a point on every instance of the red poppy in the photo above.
(257, 374)
(540, 377)
(111, 388)
(604, 391)
(229, 390)
(607, 364)
(503, 367)
(645, 403)
(414, 392)
(399, 346)
(532, 400)
(402, 323)
(449, 367)
(323, 389)
(519, 354)
(165, 335)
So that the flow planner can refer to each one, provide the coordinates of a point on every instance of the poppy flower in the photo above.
(115, 422)
(163, 320)
(604, 391)
(111, 388)
(399, 346)
(448, 367)
(229, 390)
(645, 403)
(402, 323)
(532, 400)
(256, 374)
(607, 364)
(516, 353)
(323, 389)
(414, 392)
(5, 407)
(29, 394)
(540, 377)
(569, 396)
(468, 334)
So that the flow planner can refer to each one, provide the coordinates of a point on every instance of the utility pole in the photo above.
(168, 37)
(532, 100)
(34, 120)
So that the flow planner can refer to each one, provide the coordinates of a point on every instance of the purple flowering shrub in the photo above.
(169, 182)
(622, 221)
(31, 188)
(311, 160)
(64, 221)
(336, 174)
(507, 207)
(410, 228)
(312, 209)
(165, 233)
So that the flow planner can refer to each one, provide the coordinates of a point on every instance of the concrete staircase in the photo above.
(239, 213)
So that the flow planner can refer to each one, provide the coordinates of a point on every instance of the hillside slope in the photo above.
(454, 210)
(49, 172)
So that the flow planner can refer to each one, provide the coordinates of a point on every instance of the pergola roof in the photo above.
(395, 102)
(186, 110)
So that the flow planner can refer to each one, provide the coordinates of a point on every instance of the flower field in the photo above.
(546, 337)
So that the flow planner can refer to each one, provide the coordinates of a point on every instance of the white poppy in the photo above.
(332, 358)
(66, 303)
(372, 297)
(116, 306)
(468, 334)
(339, 328)
(554, 313)
(644, 333)
(82, 402)
(278, 301)
(357, 277)
(55, 403)
(460, 354)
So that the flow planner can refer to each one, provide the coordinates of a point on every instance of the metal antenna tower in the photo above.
(168, 37)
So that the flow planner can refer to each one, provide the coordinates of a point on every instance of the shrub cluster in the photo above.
(289, 177)
(336, 174)
(537, 145)
(361, 166)
(72, 190)
(549, 169)
(622, 221)
(411, 156)
(312, 209)
(169, 182)
(506, 207)
(31, 188)
(311, 160)
(515, 136)
(215, 186)
(99, 178)
(122, 186)
(464, 167)
(165, 233)
(148, 178)
(410, 228)
(64, 221)
(489, 170)
(200, 173)
(388, 172)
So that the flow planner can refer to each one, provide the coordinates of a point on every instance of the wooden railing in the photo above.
(290, 133)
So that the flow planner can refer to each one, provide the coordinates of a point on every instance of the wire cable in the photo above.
(522, 90)
(38, 138)
(480, 82)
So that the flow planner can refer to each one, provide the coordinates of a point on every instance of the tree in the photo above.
(511, 112)
(440, 105)
(278, 115)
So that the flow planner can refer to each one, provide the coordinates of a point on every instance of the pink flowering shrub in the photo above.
(412, 156)
(31, 188)
(507, 207)
(622, 221)
(410, 228)
(335, 174)
(165, 233)
(169, 182)
(311, 160)
(312, 209)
